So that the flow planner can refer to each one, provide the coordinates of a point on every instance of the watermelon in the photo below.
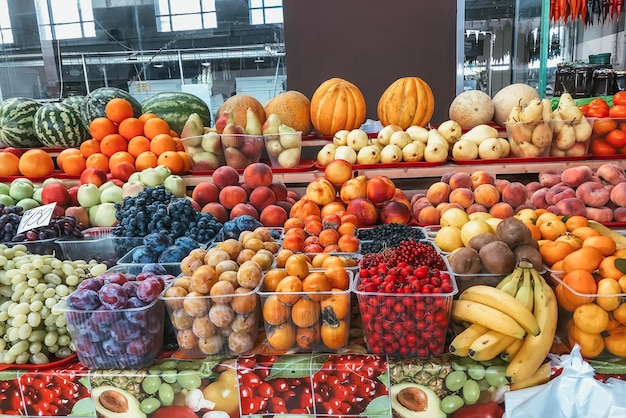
(94, 103)
(16, 122)
(59, 125)
(74, 101)
(175, 107)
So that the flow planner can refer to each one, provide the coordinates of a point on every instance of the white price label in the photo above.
(35, 217)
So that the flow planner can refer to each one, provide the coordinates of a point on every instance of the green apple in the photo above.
(102, 214)
(175, 185)
(4, 188)
(21, 190)
(23, 180)
(165, 172)
(28, 203)
(88, 195)
(134, 178)
(7, 200)
(50, 181)
(37, 195)
(151, 177)
(132, 188)
(112, 194)
(106, 185)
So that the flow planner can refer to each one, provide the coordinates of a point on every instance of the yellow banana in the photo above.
(524, 294)
(535, 348)
(461, 343)
(511, 282)
(542, 375)
(503, 302)
(481, 314)
(489, 345)
(510, 352)
(619, 239)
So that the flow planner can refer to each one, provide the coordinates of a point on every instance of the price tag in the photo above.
(35, 217)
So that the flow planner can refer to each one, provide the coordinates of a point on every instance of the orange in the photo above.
(113, 143)
(90, 146)
(606, 245)
(130, 128)
(186, 160)
(64, 154)
(74, 164)
(546, 216)
(581, 282)
(552, 229)
(534, 229)
(172, 160)
(118, 109)
(161, 143)
(120, 156)
(591, 318)
(554, 251)
(146, 159)
(137, 145)
(585, 232)
(173, 133)
(98, 160)
(586, 258)
(179, 143)
(144, 117)
(575, 221)
(9, 164)
(101, 127)
(154, 126)
(36, 163)
(572, 240)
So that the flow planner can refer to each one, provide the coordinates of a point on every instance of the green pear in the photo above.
(289, 137)
(253, 124)
(192, 130)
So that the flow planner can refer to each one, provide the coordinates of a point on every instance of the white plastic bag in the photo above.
(575, 393)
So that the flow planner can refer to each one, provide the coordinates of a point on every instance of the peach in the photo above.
(593, 194)
(476, 207)
(364, 209)
(395, 212)
(429, 215)
(611, 173)
(533, 186)
(261, 197)
(258, 174)
(338, 172)
(353, 188)
(438, 192)
(417, 207)
(559, 192)
(618, 194)
(502, 210)
(285, 205)
(232, 195)
(293, 195)
(303, 208)
(515, 194)
(446, 176)
(570, 206)
(444, 206)
(247, 188)
(225, 176)
(122, 170)
(575, 176)
(619, 214)
(94, 176)
(205, 192)
(244, 209)
(332, 207)
(216, 209)
(273, 215)
(549, 178)
(380, 189)
(486, 195)
(416, 196)
(460, 179)
(599, 214)
(538, 198)
(463, 196)
(55, 192)
(400, 196)
(482, 177)
(501, 184)
(279, 189)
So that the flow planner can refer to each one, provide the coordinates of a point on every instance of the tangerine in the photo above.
(130, 128)
(554, 251)
(585, 258)
(137, 145)
(155, 126)
(120, 156)
(36, 163)
(98, 160)
(172, 160)
(146, 159)
(145, 116)
(575, 221)
(88, 147)
(161, 143)
(113, 143)
(101, 127)
(606, 245)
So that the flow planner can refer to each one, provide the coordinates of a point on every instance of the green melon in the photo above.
(175, 108)
(16, 122)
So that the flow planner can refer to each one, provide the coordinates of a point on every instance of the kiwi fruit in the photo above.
(513, 232)
(477, 241)
(497, 257)
(465, 260)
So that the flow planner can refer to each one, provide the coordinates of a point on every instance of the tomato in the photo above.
(604, 125)
(618, 111)
(597, 112)
(480, 410)
(598, 102)
(599, 146)
(616, 138)
(584, 109)
(619, 98)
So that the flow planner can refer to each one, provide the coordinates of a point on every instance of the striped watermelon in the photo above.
(94, 103)
(59, 125)
(175, 107)
(74, 101)
(16, 122)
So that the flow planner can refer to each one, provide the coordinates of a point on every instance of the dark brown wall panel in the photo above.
(371, 43)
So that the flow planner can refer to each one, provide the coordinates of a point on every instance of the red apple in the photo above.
(55, 192)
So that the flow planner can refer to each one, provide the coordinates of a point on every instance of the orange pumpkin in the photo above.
(293, 109)
(406, 102)
(337, 104)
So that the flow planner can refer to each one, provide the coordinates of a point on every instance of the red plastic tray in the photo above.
(608, 157)
(417, 164)
(305, 165)
(519, 160)
(51, 365)
(58, 174)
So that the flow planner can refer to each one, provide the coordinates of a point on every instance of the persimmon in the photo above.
(282, 337)
(335, 336)
(274, 311)
(305, 312)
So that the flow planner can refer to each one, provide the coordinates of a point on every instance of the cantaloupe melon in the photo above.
(517, 94)
(471, 108)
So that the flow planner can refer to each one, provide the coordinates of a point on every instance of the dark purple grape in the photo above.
(125, 331)
(94, 283)
(113, 296)
(149, 289)
(140, 345)
(113, 348)
(83, 300)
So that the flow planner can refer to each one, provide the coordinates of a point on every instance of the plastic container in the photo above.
(242, 150)
(106, 250)
(284, 149)
(127, 261)
(307, 321)
(561, 147)
(522, 146)
(117, 339)
(604, 58)
(570, 300)
(43, 246)
(418, 323)
(214, 325)
(205, 151)
(605, 143)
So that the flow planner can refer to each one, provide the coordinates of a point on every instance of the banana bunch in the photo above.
(530, 129)
(571, 129)
(515, 320)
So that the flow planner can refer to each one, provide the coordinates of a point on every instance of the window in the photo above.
(266, 11)
(176, 15)
(65, 19)
(6, 33)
